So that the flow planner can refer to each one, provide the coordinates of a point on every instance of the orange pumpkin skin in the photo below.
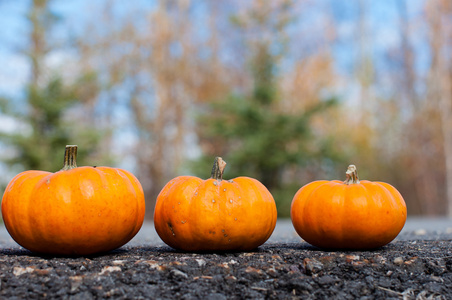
(337, 215)
(81, 211)
(192, 214)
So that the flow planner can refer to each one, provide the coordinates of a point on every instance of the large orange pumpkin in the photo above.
(75, 211)
(348, 215)
(192, 214)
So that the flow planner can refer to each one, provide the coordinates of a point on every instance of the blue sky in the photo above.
(382, 25)
(14, 65)
(382, 28)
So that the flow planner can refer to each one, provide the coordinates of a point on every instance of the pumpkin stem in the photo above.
(218, 168)
(352, 175)
(70, 156)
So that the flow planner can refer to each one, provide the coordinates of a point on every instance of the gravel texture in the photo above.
(417, 265)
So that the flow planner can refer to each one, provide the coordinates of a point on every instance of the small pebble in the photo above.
(109, 269)
(201, 262)
(179, 273)
(17, 271)
(312, 265)
(398, 260)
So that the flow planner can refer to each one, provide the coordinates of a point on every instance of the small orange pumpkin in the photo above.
(192, 214)
(75, 211)
(348, 215)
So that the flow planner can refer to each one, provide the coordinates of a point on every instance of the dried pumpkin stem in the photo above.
(218, 168)
(70, 157)
(352, 175)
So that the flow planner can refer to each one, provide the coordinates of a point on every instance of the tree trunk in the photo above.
(441, 85)
(443, 81)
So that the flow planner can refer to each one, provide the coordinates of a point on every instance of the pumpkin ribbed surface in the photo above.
(341, 215)
(78, 211)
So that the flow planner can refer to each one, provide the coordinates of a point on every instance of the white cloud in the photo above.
(10, 125)
(14, 73)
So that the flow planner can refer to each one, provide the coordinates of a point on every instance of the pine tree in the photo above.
(255, 136)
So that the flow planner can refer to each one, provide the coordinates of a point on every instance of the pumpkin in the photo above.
(75, 211)
(352, 214)
(192, 214)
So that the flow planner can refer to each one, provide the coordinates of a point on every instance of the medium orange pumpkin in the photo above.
(348, 215)
(192, 214)
(75, 211)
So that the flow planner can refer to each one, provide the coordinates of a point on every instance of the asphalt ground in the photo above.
(415, 228)
(416, 265)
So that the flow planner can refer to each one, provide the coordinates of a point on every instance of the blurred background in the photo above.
(285, 91)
